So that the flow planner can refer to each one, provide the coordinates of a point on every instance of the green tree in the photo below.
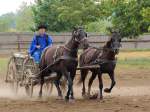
(24, 18)
(78, 12)
(145, 12)
(127, 15)
(62, 15)
(45, 11)
(7, 22)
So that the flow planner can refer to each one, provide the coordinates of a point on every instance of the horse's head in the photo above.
(115, 41)
(80, 36)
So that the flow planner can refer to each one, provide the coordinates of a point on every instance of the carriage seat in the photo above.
(21, 55)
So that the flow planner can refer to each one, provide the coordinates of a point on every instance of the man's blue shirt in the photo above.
(42, 40)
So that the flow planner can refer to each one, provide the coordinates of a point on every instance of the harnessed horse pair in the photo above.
(63, 61)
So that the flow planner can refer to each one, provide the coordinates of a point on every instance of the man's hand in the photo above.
(38, 46)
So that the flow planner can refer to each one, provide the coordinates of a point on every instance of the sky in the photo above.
(12, 5)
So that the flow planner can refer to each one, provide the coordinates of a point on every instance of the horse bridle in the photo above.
(115, 48)
(76, 40)
(80, 41)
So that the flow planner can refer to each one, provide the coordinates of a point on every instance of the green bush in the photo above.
(99, 26)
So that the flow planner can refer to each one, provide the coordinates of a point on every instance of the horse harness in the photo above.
(99, 61)
(66, 57)
(102, 48)
(57, 58)
(104, 61)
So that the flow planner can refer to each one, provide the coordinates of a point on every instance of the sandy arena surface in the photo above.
(131, 94)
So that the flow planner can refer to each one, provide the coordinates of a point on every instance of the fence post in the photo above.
(18, 42)
(136, 44)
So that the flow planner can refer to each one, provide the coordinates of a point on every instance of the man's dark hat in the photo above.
(42, 26)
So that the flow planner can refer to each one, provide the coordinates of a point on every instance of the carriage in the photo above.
(21, 72)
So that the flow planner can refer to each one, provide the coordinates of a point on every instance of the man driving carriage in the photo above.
(40, 41)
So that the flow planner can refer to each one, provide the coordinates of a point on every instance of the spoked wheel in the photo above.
(28, 82)
(11, 76)
(28, 71)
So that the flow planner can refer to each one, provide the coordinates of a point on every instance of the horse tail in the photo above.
(83, 75)
(81, 63)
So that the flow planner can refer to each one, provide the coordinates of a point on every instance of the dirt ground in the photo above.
(131, 94)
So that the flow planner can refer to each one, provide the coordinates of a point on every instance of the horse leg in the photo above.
(83, 76)
(100, 85)
(73, 73)
(41, 86)
(113, 82)
(70, 83)
(57, 83)
(91, 81)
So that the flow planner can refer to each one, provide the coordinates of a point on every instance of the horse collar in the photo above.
(67, 48)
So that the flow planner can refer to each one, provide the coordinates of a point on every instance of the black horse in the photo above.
(63, 61)
(105, 57)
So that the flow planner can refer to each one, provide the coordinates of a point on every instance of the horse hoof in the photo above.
(83, 94)
(101, 98)
(66, 98)
(40, 96)
(93, 96)
(107, 90)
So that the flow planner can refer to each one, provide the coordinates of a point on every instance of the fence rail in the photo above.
(13, 42)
